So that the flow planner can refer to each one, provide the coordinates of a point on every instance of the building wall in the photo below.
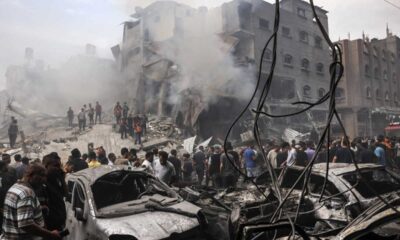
(369, 83)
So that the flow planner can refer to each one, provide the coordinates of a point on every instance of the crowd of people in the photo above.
(93, 113)
(130, 125)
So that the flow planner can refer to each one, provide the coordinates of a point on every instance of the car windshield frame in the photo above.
(372, 175)
(112, 188)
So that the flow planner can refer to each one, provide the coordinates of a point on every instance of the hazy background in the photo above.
(57, 30)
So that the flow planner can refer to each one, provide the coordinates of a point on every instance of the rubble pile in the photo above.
(163, 127)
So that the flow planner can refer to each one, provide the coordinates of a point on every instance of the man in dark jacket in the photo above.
(55, 190)
(13, 132)
(76, 163)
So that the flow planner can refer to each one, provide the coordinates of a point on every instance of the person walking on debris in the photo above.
(70, 115)
(177, 165)
(22, 214)
(13, 132)
(199, 159)
(214, 166)
(163, 169)
(98, 109)
(82, 120)
(91, 115)
(249, 156)
(138, 134)
(123, 128)
(117, 112)
(125, 110)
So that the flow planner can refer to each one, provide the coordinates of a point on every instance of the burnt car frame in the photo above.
(118, 202)
(346, 196)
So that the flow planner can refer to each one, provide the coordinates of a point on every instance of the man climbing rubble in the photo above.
(13, 132)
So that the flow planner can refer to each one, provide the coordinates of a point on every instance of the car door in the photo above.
(78, 203)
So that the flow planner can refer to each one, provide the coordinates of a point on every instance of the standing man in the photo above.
(123, 129)
(22, 214)
(138, 134)
(249, 156)
(214, 166)
(148, 163)
(55, 191)
(13, 132)
(163, 169)
(343, 154)
(91, 115)
(118, 112)
(70, 115)
(98, 113)
(177, 165)
(82, 120)
(228, 170)
(125, 110)
(379, 151)
(130, 124)
(199, 159)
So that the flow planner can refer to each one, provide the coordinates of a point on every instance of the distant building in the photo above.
(368, 95)
(301, 71)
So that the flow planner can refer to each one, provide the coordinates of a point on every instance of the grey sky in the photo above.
(59, 29)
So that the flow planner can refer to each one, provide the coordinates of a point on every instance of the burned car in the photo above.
(346, 195)
(117, 202)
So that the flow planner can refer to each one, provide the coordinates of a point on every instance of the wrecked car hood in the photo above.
(151, 224)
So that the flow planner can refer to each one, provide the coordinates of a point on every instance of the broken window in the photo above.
(285, 31)
(385, 75)
(263, 23)
(306, 91)
(378, 94)
(305, 64)
(125, 186)
(288, 59)
(318, 42)
(376, 73)
(320, 68)
(366, 70)
(378, 179)
(339, 93)
(369, 95)
(387, 97)
(301, 12)
(375, 51)
(384, 55)
(303, 36)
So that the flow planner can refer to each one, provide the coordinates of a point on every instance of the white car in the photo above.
(117, 202)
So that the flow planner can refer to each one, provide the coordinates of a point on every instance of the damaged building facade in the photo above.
(368, 96)
(199, 66)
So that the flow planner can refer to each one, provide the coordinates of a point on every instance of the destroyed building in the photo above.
(368, 95)
(156, 43)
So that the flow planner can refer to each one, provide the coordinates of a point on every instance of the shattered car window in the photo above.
(316, 185)
(378, 179)
(124, 186)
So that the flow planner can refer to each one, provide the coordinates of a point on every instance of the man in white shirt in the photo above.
(148, 163)
(163, 169)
